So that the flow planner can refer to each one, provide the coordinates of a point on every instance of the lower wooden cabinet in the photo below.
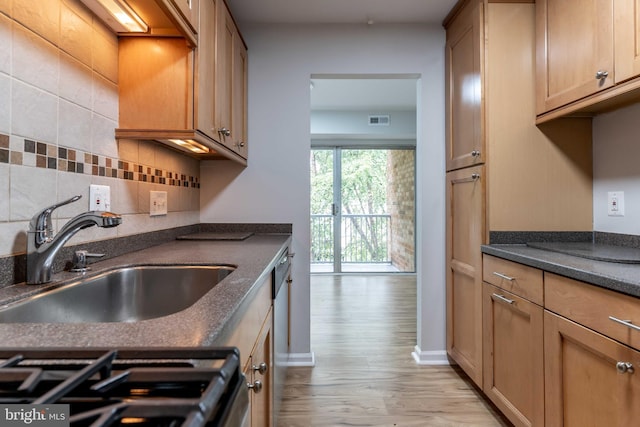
(513, 356)
(590, 380)
(558, 352)
(253, 337)
(258, 374)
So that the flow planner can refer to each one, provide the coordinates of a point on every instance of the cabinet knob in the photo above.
(475, 176)
(624, 367)
(225, 132)
(240, 144)
(261, 368)
(256, 386)
(602, 74)
(475, 153)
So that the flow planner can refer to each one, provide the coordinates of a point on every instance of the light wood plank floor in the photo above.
(363, 330)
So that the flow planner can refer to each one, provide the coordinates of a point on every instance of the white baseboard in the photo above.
(430, 357)
(302, 359)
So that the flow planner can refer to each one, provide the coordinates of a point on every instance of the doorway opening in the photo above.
(363, 135)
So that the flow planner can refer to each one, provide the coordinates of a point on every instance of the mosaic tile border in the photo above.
(51, 156)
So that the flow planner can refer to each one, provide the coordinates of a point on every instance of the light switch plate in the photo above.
(99, 198)
(157, 203)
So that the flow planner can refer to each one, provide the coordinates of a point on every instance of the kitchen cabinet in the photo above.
(231, 83)
(590, 379)
(528, 178)
(173, 94)
(258, 373)
(464, 128)
(465, 234)
(600, 77)
(253, 337)
(513, 357)
(567, 72)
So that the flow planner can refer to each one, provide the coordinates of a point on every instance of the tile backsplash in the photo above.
(58, 113)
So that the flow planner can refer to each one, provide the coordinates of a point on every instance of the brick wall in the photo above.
(402, 208)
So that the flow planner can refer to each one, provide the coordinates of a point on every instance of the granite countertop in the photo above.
(618, 276)
(208, 322)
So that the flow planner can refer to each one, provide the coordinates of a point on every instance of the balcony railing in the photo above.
(365, 238)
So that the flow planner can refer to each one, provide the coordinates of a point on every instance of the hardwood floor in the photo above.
(363, 330)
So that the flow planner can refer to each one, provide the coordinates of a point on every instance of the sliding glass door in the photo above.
(362, 210)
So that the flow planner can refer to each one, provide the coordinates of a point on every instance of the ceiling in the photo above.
(340, 11)
(352, 93)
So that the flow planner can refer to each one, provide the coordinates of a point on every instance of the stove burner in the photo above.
(185, 387)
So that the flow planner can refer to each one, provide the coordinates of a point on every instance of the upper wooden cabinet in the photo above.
(181, 96)
(463, 56)
(231, 83)
(588, 56)
(575, 50)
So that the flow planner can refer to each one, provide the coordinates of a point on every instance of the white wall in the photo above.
(275, 185)
(402, 124)
(616, 167)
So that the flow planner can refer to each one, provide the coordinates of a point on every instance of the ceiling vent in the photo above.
(379, 120)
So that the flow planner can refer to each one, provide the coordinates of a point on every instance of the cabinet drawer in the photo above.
(592, 307)
(518, 279)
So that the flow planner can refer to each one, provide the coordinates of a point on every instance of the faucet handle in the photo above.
(41, 222)
(79, 263)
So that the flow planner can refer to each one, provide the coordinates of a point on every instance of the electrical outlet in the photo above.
(157, 203)
(99, 198)
(615, 203)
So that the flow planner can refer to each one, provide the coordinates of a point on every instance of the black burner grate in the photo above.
(186, 387)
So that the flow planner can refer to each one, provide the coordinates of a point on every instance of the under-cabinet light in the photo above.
(118, 15)
(190, 145)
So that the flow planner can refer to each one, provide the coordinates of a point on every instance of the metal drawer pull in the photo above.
(624, 367)
(503, 299)
(502, 276)
(475, 153)
(626, 323)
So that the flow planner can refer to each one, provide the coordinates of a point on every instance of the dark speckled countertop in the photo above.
(620, 277)
(208, 322)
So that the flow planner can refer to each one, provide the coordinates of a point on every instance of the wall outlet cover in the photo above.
(615, 203)
(157, 203)
(99, 198)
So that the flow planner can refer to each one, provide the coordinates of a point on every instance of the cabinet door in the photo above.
(206, 70)
(627, 39)
(261, 413)
(224, 72)
(464, 127)
(465, 234)
(574, 50)
(513, 356)
(239, 97)
(582, 382)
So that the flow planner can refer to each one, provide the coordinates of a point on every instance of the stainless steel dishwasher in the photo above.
(280, 294)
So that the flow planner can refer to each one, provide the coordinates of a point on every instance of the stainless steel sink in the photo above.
(123, 295)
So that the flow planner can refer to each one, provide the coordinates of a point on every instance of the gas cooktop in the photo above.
(134, 387)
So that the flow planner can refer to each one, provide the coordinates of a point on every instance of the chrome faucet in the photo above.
(43, 245)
